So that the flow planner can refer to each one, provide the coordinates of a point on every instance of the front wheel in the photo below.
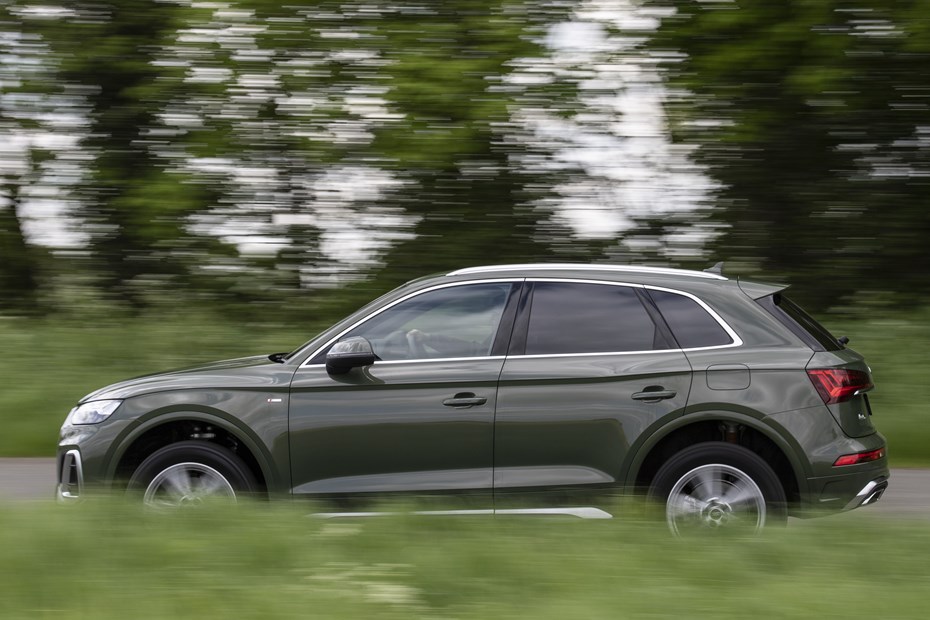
(718, 487)
(188, 474)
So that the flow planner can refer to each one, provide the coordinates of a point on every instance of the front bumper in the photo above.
(70, 477)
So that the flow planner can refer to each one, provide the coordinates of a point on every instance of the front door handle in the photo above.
(463, 400)
(653, 394)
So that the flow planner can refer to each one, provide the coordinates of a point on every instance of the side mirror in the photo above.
(348, 354)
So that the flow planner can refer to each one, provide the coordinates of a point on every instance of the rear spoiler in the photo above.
(758, 290)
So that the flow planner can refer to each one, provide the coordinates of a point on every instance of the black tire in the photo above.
(188, 473)
(718, 487)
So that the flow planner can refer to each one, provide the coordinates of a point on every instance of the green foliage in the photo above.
(109, 561)
(216, 143)
(253, 150)
(813, 118)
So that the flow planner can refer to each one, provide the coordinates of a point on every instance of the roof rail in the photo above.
(588, 267)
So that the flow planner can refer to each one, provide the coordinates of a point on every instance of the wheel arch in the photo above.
(160, 428)
(750, 431)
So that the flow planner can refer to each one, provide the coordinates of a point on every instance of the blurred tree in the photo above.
(133, 211)
(456, 145)
(19, 282)
(812, 114)
(27, 98)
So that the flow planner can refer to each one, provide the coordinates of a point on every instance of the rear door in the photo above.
(590, 369)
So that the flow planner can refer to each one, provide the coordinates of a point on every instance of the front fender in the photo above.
(269, 445)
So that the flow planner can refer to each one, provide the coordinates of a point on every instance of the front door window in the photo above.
(451, 322)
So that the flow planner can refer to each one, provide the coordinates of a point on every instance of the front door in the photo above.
(420, 420)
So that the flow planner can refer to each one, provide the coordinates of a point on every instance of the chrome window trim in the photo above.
(443, 359)
(583, 267)
(479, 358)
(595, 354)
(372, 315)
(737, 341)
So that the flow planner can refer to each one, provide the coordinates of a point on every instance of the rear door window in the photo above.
(576, 317)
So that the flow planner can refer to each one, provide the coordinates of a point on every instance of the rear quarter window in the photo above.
(692, 326)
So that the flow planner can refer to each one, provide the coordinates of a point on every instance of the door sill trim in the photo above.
(582, 512)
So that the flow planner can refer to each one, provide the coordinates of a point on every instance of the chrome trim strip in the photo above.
(596, 354)
(307, 363)
(585, 267)
(737, 341)
(63, 491)
(582, 512)
(442, 359)
(351, 515)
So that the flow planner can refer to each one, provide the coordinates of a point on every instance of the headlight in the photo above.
(92, 412)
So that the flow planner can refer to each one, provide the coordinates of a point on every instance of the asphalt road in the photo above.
(908, 494)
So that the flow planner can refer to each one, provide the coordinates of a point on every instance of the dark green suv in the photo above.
(547, 389)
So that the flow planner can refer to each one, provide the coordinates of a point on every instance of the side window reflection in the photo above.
(458, 321)
(570, 317)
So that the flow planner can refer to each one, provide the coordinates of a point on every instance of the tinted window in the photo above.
(568, 317)
(691, 324)
(800, 323)
(458, 321)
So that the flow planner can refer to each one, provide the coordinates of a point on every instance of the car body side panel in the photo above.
(385, 429)
(570, 420)
(775, 380)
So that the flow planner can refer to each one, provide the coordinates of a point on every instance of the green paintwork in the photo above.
(547, 423)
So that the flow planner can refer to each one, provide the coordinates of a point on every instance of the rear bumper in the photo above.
(848, 490)
(869, 494)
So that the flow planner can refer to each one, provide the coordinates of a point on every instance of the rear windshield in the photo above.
(803, 325)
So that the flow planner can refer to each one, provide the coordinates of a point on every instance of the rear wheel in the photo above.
(188, 474)
(718, 487)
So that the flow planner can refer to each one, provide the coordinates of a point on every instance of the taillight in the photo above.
(836, 385)
(859, 457)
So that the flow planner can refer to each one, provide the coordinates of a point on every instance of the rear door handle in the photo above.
(654, 394)
(464, 400)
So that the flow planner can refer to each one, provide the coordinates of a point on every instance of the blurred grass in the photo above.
(47, 365)
(896, 346)
(108, 560)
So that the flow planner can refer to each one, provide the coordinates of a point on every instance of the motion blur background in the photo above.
(184, 180)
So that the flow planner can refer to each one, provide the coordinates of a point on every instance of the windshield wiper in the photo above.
(278, 357)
